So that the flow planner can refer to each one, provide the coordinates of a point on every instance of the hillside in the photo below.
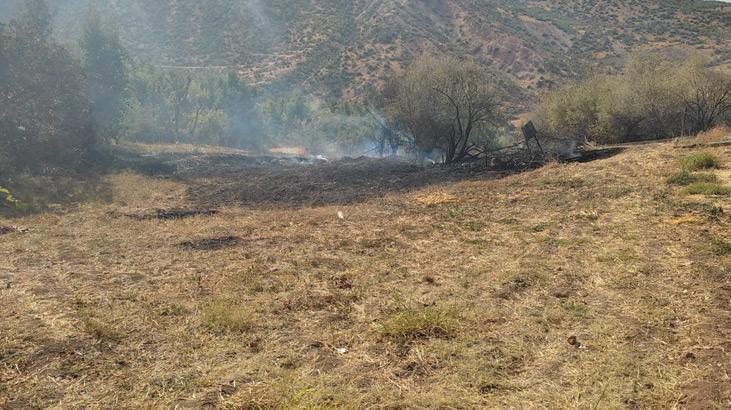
(334, 46)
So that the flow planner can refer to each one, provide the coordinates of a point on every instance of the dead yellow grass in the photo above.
(685, 219)
(136, 191)
(435, 198)
(179, 148)
(717, 134)
(565, 287)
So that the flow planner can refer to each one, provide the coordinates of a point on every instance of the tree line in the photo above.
(69, 101)
(62, 103)
(654, 97)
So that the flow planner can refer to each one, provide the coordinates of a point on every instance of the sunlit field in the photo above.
(596, 285)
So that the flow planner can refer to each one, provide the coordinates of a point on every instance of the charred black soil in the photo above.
(333, 183)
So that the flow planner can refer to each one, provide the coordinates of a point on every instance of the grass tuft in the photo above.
(101, 331)
(707, 188)
(685, 178)
(227, 317)
(720, 247)
(701, 160)
(414, 324)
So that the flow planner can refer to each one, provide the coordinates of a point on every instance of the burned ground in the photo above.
(582, 285)
(341, 182)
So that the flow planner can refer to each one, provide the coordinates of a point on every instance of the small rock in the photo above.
(574, 341)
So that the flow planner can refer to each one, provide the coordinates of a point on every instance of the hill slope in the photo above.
(335, 46)
(571, 286)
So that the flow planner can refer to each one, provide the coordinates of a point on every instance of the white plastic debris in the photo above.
(341, 350)
(341, 215)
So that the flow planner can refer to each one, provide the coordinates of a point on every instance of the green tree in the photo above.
(35, 20)
(654, 97)
(105, 62)
(443, 103)
(44, 115)
(239, 103)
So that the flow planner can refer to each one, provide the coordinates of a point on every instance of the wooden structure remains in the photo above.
(531, 134)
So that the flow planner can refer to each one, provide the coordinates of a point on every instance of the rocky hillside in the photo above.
(347, 47)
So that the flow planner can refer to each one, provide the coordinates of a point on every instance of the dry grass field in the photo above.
(596, 285)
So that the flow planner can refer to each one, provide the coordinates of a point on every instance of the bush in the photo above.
(703, 160)
(653, 98)
(443, 104)
(7, 200)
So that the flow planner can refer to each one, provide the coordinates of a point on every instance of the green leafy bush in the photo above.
(653, 98)
(702, 160)
(44, 116)
(8, 200)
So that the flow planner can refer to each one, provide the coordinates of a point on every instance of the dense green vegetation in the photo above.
(105, 63)
(175, 106)
(45, 118)
(654, 97)
(65, 104)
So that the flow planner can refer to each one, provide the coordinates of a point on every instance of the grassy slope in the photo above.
(458, 296)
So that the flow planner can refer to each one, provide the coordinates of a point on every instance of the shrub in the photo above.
(685, 178)
(653, 98)
(707, 188)
(7, 199)
(702, 160)
(227, 317)
(720, 247)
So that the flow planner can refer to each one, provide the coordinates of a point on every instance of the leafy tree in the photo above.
(654, 97)
(44, 117)
(105, 63)
(706, 96)
(444, 104)
(178, 106)
(239, 102)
